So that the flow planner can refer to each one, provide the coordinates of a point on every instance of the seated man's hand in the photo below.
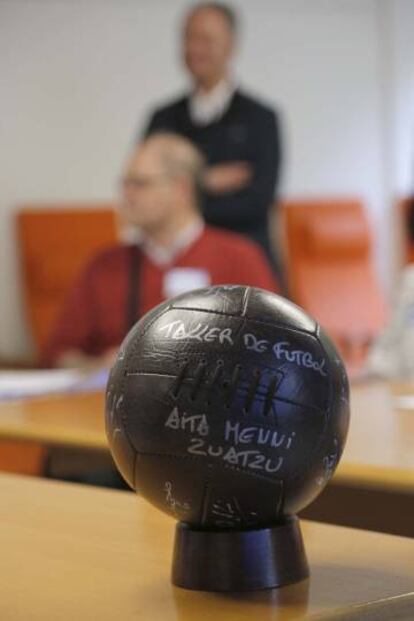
(230, 177)
(74, 359)
(109, 357)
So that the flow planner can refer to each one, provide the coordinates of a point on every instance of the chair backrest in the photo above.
(329, 266)
(55, 243)
(22, 458)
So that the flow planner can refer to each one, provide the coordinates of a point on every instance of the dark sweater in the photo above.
(248, 131)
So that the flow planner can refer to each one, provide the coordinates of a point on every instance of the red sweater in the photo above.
(94, 316)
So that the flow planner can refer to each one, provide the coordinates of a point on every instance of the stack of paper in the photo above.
(24, 384)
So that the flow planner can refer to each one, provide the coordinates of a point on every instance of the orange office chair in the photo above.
(55, 243)
(330, 271)
(22, 458)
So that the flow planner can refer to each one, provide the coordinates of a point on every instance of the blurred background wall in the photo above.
(77, 78)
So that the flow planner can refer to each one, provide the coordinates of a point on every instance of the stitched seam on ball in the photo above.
(239, 316)
(215, 463)
(123, 416)
(284, 327)
(206, 310)
(246, 297)
(323, 436)
(171, 455)
(256, 475)
(204, 498)
(148, 326)
(143, 372)
(144, 331)
(282, 496)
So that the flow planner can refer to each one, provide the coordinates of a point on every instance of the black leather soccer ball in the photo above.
(227, 407)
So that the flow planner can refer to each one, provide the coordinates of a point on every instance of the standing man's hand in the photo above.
(230, 177)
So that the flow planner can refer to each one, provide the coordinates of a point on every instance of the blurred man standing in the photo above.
(238, 136)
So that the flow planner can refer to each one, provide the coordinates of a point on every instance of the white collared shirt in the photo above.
(177, 280)
(208, 107)
(162, 256)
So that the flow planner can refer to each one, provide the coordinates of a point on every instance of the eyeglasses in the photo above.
(136, 182)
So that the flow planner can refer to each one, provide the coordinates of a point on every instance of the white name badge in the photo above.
(182, 279)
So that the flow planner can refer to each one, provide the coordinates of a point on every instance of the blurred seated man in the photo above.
(176, 252)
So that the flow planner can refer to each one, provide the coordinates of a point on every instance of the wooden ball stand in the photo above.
(239, 560)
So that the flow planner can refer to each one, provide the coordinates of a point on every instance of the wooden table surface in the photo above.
(60, 420)
(77, 552)
(379, 451)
